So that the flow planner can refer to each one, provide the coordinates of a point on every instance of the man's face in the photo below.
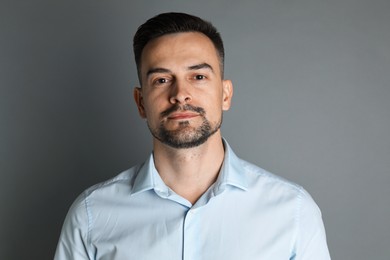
(182, 95)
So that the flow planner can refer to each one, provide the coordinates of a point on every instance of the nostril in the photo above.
(180, 98)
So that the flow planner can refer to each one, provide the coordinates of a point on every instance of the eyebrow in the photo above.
(201, 66)
(157, 70)
(193, 67)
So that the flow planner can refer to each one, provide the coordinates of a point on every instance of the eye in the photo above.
(200, 77)
(160, 81)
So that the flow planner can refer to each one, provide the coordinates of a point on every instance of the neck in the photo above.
(190, 172)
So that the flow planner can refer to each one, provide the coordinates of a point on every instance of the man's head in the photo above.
(182, 93)
(169, 23)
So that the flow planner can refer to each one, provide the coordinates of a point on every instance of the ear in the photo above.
(227, 94)
(137, 93)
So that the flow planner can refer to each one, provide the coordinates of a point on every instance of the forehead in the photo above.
(179, 49)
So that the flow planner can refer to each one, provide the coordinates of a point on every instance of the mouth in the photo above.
(180, 113)
(182, 116)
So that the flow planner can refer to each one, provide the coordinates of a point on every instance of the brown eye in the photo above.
(199, 77)
(160, 81)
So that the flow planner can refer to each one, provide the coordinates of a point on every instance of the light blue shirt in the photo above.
(247, 214)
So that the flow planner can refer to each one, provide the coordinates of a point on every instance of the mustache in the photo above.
(186, 107)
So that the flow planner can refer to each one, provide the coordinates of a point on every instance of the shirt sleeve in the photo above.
(311, 238)
(73, 242)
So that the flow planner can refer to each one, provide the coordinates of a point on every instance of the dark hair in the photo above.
(167, 23)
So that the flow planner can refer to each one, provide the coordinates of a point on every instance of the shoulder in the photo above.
(278, 189)
(258, 176)
(281, 189)
(122, 182)
(107, 190)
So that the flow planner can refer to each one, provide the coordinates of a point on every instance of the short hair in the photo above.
(167, 23)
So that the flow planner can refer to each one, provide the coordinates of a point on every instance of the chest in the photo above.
(222, 229)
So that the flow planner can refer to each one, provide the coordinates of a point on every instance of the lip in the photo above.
(182, 115)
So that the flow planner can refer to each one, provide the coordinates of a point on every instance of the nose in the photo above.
(180, 93)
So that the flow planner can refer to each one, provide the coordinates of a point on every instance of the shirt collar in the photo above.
(232, 173)
(148, 178)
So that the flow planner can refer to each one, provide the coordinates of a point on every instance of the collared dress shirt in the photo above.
(247, 214)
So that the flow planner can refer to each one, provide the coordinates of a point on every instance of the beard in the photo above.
(185, 136)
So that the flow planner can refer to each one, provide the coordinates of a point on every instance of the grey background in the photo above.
(311, 104)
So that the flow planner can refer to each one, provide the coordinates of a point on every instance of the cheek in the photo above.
(149, 109)
(153, 108)
(214, 112)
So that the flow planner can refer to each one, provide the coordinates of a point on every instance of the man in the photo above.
(192, 198)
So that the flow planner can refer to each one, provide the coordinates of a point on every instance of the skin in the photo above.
(177, 70)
